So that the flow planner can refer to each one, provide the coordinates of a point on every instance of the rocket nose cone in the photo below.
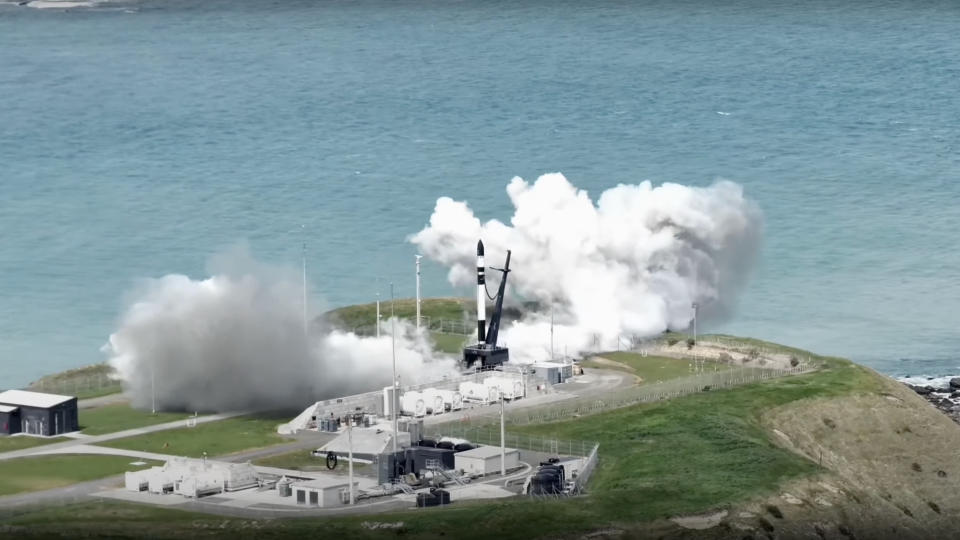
(479, 247)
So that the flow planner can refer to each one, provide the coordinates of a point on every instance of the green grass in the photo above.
(651, 368)
(215, 438)
(449, 343)
(9, 444)
(687, 455)
(119, 417)
(85, 382)
(365, 315)
(47, 472)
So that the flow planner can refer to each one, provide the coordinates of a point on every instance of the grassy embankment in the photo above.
(213, 438)
(649, 368)
(85, 382)
(687, 455)
(363, 318)
(48, 472)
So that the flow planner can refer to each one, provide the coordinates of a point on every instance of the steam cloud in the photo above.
(236, 341)
(631, 264)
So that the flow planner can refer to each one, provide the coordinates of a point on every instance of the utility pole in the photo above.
(394, 398)
(350, 455)
(552, 356)
(418, 292)
(503, 445)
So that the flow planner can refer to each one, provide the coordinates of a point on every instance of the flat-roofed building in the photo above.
(37, 413)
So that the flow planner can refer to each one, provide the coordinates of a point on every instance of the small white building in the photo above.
(322, 492)
(485, 460)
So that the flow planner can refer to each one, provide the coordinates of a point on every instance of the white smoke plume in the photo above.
(633, 263)
(236, 341)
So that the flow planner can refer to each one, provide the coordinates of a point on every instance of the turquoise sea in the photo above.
(140, 138)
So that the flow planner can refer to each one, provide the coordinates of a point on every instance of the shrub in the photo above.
(690, 343)
(671, 341)
(724, 357)
(753, 354)
(794, 361)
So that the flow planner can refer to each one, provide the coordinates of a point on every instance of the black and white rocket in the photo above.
(481, 295)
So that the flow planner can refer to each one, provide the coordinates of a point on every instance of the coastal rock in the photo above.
(955, 382)
(922, 390)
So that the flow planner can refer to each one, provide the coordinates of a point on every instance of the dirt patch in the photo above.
(611, 363)
(700, 522)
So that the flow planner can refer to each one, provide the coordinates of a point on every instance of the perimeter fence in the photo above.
(589, 451)
(80, 386)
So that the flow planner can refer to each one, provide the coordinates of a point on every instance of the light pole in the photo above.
(696, 358)
(503, 446)
(350, 455)
(418, 292)
(394, 398)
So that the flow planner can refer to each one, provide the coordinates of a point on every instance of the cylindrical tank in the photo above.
(387, 408)
(412, 403)
(476, 392)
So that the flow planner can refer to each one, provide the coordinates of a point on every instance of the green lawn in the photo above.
(9, 444)
(364, 315)
(449, 343)
(214, 438)
(651, 368)
(48, 472)
(119, 417)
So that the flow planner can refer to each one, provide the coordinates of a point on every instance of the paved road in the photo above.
(26, 452)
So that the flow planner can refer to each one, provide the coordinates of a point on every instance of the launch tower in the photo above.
(486, 351)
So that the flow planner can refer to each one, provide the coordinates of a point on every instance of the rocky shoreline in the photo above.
(945, 398)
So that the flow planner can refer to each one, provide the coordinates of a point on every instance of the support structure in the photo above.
(486, 351)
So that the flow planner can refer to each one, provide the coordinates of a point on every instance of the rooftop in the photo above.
(484, 452)
(7, 408)
(324, 482)
(25, 398)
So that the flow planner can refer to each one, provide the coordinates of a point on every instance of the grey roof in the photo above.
(7, 408)
(26, 398)
(484, 452)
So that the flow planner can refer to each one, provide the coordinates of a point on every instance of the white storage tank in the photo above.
(507, 387)
(413, 404)
(434, 401)
(476, 392)
(452, 399)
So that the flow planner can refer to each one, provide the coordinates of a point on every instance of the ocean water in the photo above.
(140, 138)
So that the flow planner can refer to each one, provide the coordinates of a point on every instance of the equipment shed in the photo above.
(324, 493)
(39, 413)
(485, 460)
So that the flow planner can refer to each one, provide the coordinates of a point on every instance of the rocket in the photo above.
(481, 295)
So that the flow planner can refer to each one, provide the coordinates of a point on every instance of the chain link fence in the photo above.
(80, 386)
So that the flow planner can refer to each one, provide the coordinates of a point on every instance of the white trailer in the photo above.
(452, 399)
(479, 392)
(507, 387)
(434, 401)
(413, 404)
